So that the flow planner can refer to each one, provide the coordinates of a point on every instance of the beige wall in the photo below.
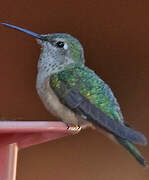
(115, 35)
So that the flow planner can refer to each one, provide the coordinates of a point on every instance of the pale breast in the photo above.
(52, 103)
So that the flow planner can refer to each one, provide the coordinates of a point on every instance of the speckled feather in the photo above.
(79, 88)
(90, 86)
(94, 89)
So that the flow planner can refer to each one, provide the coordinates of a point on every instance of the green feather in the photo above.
(76, 52)
(97, 92)
(133, 150)
(90, 86)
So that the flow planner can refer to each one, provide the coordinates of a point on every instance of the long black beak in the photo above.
(38, 36)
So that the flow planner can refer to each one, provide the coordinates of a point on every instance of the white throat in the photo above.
(49, 63)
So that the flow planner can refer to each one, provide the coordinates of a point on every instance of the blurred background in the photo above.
(115, 36)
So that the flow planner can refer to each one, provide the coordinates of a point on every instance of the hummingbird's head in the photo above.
(57, 50)
(62, 47)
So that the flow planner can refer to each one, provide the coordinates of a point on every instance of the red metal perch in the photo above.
(15, 135)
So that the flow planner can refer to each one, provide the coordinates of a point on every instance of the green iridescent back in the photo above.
(90, 86)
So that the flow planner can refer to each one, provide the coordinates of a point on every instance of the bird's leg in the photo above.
(74, 128)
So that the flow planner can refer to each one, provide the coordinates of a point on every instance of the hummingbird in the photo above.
(76, 94)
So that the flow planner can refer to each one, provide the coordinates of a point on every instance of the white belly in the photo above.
(52, 103)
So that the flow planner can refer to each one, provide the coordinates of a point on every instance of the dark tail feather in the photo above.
(133, 150)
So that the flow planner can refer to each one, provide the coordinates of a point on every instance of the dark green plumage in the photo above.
(80, 89)
(133, 150)
(91, 87)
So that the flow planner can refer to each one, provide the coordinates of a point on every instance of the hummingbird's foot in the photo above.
(75, 129)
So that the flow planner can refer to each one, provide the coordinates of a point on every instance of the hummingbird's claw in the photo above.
(74, 128)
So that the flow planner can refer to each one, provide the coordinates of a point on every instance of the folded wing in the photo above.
(86, 94)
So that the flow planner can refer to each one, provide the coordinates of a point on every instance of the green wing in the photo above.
(85, 93)
(90, 86)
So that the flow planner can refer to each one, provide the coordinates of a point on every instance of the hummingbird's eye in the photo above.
(60, 44)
